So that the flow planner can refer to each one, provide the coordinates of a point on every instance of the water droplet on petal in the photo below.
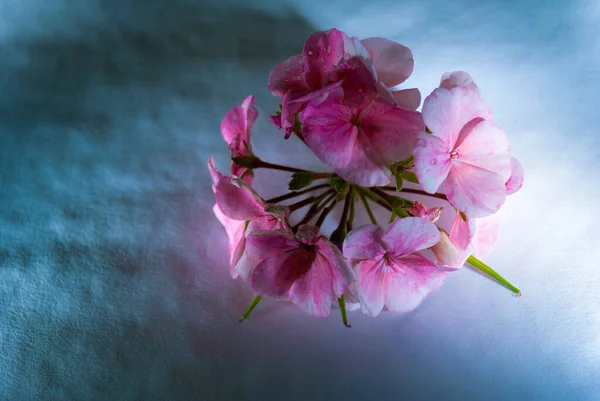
(421, 142)
(297, 78)
(310, 52)
(433, 162)
(328, 49)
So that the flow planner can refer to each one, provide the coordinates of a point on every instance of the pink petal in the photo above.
(214, 173)
(420, 210)
(515, 182)
(329, 133)
(474, 191)
(287, 75)
(432, 161)
(410, 234)
(410, 279)
(456, 79)
(393, 62)
(236, 127)
(371, 286)
(363, 171)
(409, 98)
(487, 235)
(274, 275)
(323, 52)
(341, 272)
(486, 146)
(462, 232)
(364, 243)
(238, 203)
(313, 290)
(262, 244)
(446, 112)
(387, 132)
(447, 253)
(235, 234)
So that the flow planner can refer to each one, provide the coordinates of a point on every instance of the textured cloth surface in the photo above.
(114, 281)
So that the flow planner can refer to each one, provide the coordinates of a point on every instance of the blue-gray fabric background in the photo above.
(114, 282)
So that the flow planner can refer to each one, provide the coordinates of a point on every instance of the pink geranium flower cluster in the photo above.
(338, 97)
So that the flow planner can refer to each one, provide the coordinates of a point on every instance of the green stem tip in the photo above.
(251, 307)
(485, 269)
(342, 303)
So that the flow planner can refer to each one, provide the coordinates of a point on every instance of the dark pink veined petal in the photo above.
(409, 280)
(474, 191)
(409, 98)
(515, 182)
(371, 286)
(329, 133)
(457, 79)
(287, 76)
(261, 244)
(446, 112)
(387, 132)
(363, 171)
(236, 127)
(486, 146)
(276, 274)
(358, 81)
(323, 52)
(432, 161)
(363, 243)
(341, 272)
(393, 62)
(313, 291)
(462, 232)
(237, 203)
(408, 235)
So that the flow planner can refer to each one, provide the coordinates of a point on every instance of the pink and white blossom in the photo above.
(466, 152)
(360, 141)
(392, 273)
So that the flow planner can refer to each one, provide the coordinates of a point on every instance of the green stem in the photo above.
(251, 307)
(377, 199)
(367, 207)
(308, 201)
(342, 303)
(315, 208)
(482, 267)
(273, 166)
(352, 196)
(416, 192)
(325, 212)
(294, 194)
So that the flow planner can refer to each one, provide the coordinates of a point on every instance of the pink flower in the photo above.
(360, 141)
(453, 249)
(517, 176)
(305, 268)
(467, 152)
(392, 272)
(330, 60)
(420, 210)
(236, 129)
(237, 203)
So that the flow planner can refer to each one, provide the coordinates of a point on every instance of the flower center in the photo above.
(455, 154)
(355, 121)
